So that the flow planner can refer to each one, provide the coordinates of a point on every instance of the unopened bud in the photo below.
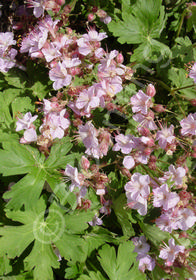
(193, 102)
(150, 143)
(147, 151)
(69, 30)
(153, 158)
(143, 131)
(85, 163)
(159, 108)
(53, 64)
(101, 13)
(91, 17)
(75, 71)
(150, 91)
(94, 9)
(120, 58)
(126, 172)
(60, 2)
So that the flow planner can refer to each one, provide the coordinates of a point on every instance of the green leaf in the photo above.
(92, 275)
(15, 78)
(124, 96)
(5, 266)
(146, 20)
(19, 159)
(57, 157)
(41, 260)
(119, 206)
(38, 80)
(154, 234)
(22, 105)
(120, 267)
(97, 237)
(30, 187)
(180, 80)
(151, 51)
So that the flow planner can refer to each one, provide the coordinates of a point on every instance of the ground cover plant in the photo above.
(98, 139)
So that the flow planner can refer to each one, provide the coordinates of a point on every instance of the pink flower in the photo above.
(128, 162)
(165, 135)
(112, 86)
(186, 218)
(94, 36)
(192, 73)
(87, 101)
(50, 52)
(140, 206)
(72, 173)
(163, 197)
(25, 122)
(34, 42)
(96, 221)
(146, 262)
(88, 134)
(38, 5)
(29, 136)
(60, 76)
(146, 121)
(188, 125)
(6, 40)
(7, 60)
(141, 246)
(169, 253)
(87, 43)
(168, 221)
(138, 188)
(54, 125)
(124, 143)
(140, 102)
(175, 175)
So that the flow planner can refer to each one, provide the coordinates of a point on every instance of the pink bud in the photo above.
(53, 64)
(150, 91)
(85, 163)
(101, 13)
(91, 17)
(75, 71)
(60, 2)
(150, 143)
(193, 102)
(159, 108)
(143, 131)
(18, 26)
(120, 58)
(69, 30)
(147, 151)
(94, 9)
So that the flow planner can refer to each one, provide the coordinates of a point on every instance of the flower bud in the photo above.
(193, 102)
(101, 13)
(60, 2)
(91, 17)
(150, 91)
(144, 131)
(85, 163)
(120, 58)
(159, 108)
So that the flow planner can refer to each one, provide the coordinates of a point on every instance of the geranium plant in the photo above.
(98, 140)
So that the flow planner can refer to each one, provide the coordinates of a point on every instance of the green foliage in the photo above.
(22, 159)
(121, 266)
(119, 206)
(143, 22)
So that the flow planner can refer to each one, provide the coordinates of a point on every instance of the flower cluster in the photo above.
(7, 53)
(148, 156)
(142, 248)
